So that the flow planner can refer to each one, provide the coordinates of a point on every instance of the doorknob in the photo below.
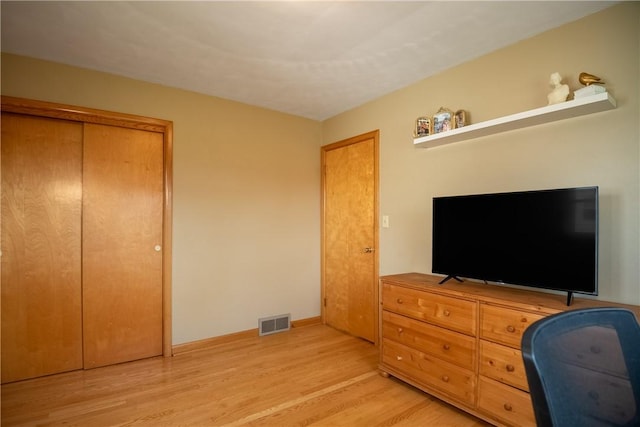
(368, 250)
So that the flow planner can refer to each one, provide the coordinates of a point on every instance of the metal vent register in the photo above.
(273, 324)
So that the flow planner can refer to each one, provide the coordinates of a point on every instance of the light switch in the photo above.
(385, 221)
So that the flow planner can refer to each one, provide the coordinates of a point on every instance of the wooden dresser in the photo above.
(460, 342)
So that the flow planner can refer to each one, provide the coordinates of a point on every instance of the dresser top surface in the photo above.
(537, 301)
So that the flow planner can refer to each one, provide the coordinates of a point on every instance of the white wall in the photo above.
(600, 149)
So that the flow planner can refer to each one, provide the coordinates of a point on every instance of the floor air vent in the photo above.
(273, 324)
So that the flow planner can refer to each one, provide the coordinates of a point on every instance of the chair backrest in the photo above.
(583, 368)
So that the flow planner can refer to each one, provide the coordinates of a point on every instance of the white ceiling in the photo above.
(311, 59)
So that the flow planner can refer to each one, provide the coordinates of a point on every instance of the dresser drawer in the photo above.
(505, 325)
(447, 345)
(504, 364)
(505, 403)
(451, 313)
(456, 382)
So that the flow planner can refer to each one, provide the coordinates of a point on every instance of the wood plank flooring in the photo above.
(308, 376)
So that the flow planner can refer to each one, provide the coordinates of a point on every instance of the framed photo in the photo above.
(423, 127)
(460, 119)
(443, 120)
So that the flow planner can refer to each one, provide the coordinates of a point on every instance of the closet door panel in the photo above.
(122, 238)
(41, 246)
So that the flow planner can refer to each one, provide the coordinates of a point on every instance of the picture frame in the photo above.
(443, 120)
(423, 127)
(460, 119)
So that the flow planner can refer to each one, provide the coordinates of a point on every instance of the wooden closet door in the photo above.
(122, 238)
(41, 252)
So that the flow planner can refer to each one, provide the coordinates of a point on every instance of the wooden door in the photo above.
(122, 244)
(350, 239)
(41, 246)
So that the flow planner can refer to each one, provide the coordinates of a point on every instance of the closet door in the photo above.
(41, 252)
(121, 244)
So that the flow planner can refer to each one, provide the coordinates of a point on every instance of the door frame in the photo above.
(165, 127)
(375, 135)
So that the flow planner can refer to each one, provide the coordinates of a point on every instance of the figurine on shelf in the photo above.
(593, 85)
(560, 92)
(589, 79)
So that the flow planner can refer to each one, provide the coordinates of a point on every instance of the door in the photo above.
(86, 280)
(41, 246)
(122, 244)
(350, 238)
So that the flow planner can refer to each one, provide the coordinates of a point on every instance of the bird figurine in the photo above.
(589, 79)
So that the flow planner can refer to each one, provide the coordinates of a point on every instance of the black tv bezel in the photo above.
(453, 275)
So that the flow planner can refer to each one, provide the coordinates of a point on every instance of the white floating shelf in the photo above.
(550, 113)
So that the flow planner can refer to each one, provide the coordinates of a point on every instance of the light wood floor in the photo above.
(311, 376)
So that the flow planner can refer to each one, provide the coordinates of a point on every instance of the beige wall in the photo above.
(247, 180)
(600, 149)
(246, 196)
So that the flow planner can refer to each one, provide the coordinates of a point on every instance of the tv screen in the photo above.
(545, 239)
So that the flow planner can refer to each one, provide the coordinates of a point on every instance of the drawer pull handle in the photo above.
(510, 368)
(446, 313)
(446, 346)
(445, 378)
(399, 357)
(399, 300)
(508, 407)
(400, 330)
(511, 328)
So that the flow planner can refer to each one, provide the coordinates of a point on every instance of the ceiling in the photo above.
(313, 59)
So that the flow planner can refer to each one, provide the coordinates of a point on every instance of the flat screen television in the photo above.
(545, 239)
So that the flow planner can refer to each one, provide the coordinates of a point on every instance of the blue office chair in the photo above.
(583, 368)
